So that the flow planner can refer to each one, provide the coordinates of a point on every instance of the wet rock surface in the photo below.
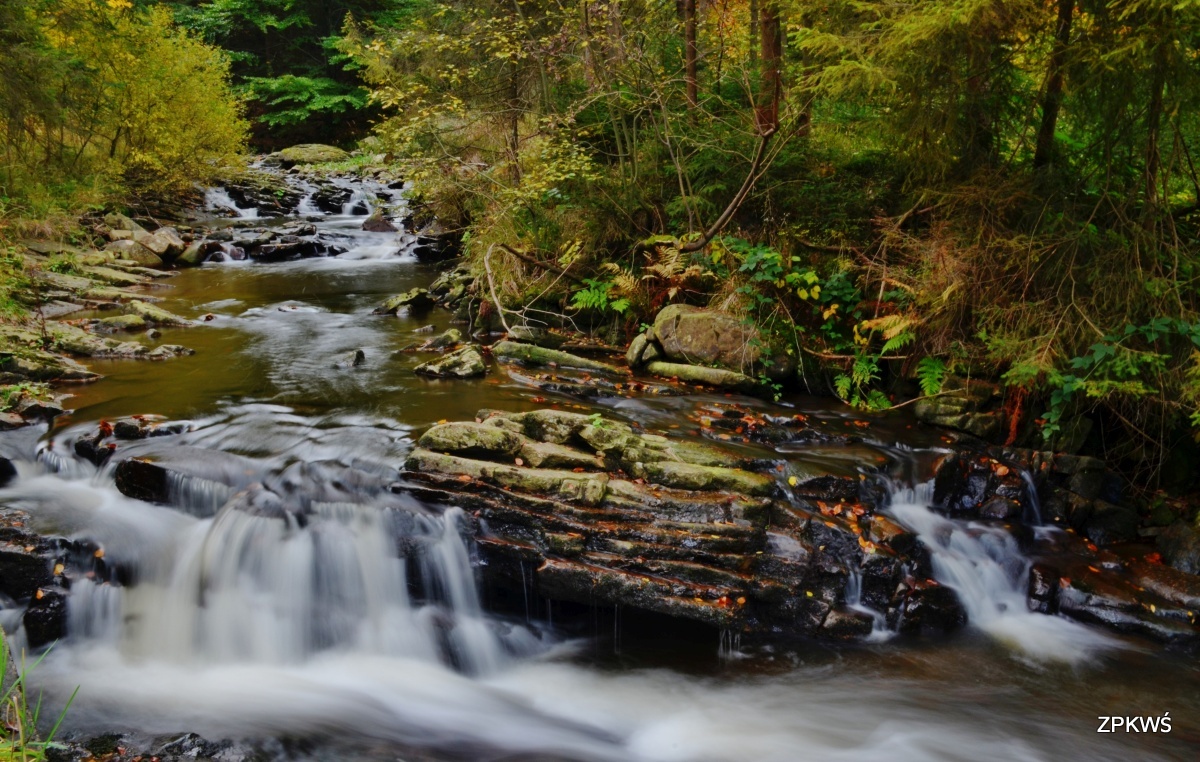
(599, 512)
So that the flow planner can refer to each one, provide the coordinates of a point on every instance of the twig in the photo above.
(544, 265)
(487, 265)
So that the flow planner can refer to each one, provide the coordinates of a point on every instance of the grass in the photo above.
(19, 740)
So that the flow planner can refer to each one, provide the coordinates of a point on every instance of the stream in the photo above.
(360, 631)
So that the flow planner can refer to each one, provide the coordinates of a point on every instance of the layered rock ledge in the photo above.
(606, 514)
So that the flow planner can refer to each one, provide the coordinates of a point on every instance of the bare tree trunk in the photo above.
(689, 36)
(1052, 101)
(771, 48)
(753, 32)
(1154, 127)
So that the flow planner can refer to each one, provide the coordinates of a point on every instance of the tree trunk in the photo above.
(1154, 127)
(771, 49)
(1052, 101)
(753, 32)
(689, 36)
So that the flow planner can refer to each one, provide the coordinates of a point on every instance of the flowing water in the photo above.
(334, 610)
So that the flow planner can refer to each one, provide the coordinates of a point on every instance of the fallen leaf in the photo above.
(58, 569)
(519, 462)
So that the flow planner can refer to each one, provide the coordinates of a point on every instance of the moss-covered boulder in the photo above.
(310, 153)
(467, 362)
(697, 336)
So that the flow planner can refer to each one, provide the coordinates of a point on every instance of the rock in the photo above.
(23, 571)
(1180, 547)
(8, 474)
(450, 338)
(1043, 589)
(929, 610)
(121, 323)
(158, 316)
(142, 480)
(534, 355)
(377, 223)
(464, 363)
(698, 374)
(416, 301)
(698, 336)
(133, 251)
(121, 222)
(966, 405)
(310, 153)
(472, 440)
(693, 477)
(1107, 523)
(633, 356)
(45, 619)
(351, 360)
(164, 242)
(841, 624)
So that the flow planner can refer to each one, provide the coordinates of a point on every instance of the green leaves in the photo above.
(931, 374)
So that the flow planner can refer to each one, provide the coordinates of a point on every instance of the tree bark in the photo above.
(1043, 154)
(689, 36)
(754, 32)
(771, 49)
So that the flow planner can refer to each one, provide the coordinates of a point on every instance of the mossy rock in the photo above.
(311, 153)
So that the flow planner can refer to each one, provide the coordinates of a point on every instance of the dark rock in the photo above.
(1043, 589)
(22, 572)
(142, 480)
(45, 618)
(845, 624)
(93, 449)
(1107, 523)
(8, 472)
(377, 223)
(1180, 547)
(928, 610)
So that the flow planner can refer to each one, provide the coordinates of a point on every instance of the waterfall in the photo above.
(984, 566)
(218, 199)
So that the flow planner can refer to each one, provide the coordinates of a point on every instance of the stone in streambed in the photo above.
(464, 363)
(142, 480)
(693, 477)
(451, 337)
(158, 316)
(472, 439)
(377, 223)
(133, 251)
(416, 301)
(8, 473)
(584, 488)
(351, 360)
(122, 323)
(535, 355)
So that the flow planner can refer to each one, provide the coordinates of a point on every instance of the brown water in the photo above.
(241, 661)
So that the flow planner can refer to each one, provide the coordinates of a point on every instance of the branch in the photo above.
(739, 197)
(544, 265)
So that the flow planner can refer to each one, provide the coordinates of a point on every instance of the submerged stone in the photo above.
(465, 363)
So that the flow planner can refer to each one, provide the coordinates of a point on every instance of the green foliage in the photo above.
(18, 732)
(292, 100)
(12, 394)
(931, 374)
(596, 296)
(101, 97)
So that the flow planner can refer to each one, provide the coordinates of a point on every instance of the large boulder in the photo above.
(697, 336)
(132, 251)
(1180, 547)
(310, 153)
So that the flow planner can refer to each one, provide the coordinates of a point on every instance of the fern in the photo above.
(931, 374)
